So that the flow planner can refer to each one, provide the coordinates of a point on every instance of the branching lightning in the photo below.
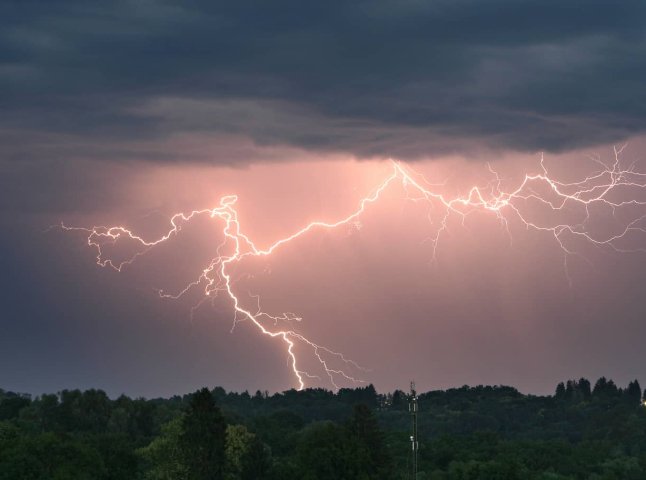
(491, 198)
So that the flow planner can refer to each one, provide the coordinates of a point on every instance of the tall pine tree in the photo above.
(203, 437)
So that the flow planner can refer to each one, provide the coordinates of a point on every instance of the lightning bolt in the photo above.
(490, 198)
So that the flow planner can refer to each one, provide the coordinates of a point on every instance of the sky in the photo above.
(124, 113)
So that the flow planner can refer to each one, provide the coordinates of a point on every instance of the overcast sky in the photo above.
(126, 112)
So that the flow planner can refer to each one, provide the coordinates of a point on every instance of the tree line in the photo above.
(583, 431)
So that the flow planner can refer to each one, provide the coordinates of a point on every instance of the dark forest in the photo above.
(583, 431)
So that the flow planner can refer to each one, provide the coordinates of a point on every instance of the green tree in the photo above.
(605, 388)
(48, 411)
(257, 461)
(584, 388)
(634, 392)
(49, 456)
(560, 391)
(326, 452)
(399, 400)
(117, 453)
(363, 427)
(238, 442)
(11, 405)
(163, 456)
(202, 440)
(247, 457)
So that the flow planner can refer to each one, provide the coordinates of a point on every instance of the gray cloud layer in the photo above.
(404, 78)
(87, 88)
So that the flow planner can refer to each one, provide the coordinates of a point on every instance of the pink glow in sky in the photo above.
(492, 297)
(125, 114)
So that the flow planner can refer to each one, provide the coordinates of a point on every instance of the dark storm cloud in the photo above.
(404, 78)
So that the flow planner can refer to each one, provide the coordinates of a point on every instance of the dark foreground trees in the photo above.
(199, 445)
(583, 432)
(202, 438)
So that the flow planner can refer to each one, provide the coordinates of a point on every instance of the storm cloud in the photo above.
(382, 78)
(125, 112)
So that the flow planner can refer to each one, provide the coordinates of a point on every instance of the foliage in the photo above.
(202, 439)
(163, 455)
(581, 432)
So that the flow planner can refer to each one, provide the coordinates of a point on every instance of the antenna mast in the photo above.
(412, 408)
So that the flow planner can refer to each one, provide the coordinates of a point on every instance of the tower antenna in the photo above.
(412, 408)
